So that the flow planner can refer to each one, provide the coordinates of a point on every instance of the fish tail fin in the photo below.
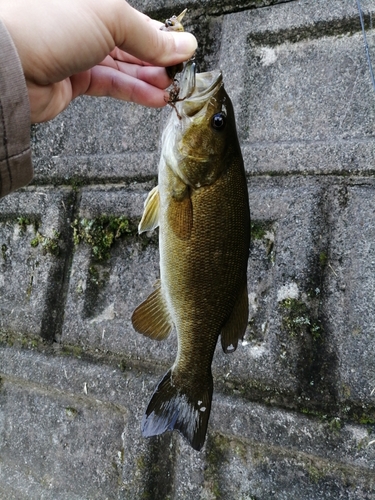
(175, 407)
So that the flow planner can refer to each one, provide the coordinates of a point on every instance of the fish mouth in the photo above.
(197, 88)
(188, 80)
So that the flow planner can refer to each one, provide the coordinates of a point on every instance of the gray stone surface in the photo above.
(65, 428)
(350, 285)
(68, 440)
(293, 414)
(70, 429)
(33, 241)
(97, 140)
(284, 70)
(197, 8)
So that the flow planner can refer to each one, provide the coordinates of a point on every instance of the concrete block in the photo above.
(325, 438)
(97, 139)
(69, 429)
(241, 471)
(160, 10)
(77, 171)
(58, 446)
(349, 307)
(34, 225)
(253, 451)
(93, 126)
(299, 79)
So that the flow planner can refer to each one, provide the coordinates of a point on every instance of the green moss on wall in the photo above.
(47, 244)
(216, 456)
(101, 233)
(71, 412)
(23, 221)
(259, 229)
(297, 318)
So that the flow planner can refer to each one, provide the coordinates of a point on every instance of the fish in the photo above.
(201, 207)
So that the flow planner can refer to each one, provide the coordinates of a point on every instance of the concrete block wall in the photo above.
(293, 414)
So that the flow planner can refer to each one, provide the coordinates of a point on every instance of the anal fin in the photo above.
(151, 318)
(234, 328)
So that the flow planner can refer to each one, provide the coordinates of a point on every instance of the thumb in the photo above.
(140, 36)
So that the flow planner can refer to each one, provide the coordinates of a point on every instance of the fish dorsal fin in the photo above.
(180, 217)
(234, 328)
(151, 318)
(150, 217)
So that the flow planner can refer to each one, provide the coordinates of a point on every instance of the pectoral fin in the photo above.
(180, 217)
(151, 318)
(235, 327)
(150, 217)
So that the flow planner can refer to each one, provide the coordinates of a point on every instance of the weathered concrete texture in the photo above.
(64, 428)
(298, 76)
(251, 471)
(239, 468)
(162, 9)
(33, 241)
(350, 285)
(97, 139)
(70, 429)
(293, 414)
(67, 442)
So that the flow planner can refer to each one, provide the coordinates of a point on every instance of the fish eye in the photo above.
(218, 121)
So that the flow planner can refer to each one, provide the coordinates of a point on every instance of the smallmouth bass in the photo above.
(202, 209)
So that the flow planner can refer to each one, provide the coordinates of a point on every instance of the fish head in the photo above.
(202, 133)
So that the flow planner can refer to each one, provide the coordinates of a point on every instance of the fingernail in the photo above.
(186, 44)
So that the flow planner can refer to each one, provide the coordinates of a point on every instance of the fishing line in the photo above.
(366, 44)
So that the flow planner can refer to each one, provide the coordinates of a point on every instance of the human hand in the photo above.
(93, 47)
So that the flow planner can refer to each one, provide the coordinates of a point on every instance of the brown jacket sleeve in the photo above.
(15, 154)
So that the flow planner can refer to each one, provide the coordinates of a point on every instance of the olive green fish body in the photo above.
(201, 207)
(202, 274)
